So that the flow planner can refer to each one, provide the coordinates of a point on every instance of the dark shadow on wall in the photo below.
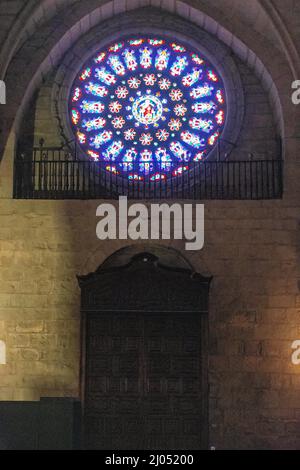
(50, 424)
(26, 132)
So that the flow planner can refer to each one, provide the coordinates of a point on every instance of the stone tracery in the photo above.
(164, 107)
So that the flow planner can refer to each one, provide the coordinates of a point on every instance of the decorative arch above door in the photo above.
(144, 356)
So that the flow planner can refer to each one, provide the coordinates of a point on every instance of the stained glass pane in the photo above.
(147, 108)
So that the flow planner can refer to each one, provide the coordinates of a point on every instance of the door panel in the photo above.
(143, 381)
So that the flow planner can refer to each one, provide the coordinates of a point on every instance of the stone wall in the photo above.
(258, 136)
(251, 250)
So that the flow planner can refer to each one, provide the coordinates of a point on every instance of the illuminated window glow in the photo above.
(147, 108)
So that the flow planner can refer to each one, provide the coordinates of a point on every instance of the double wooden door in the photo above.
(144, 381)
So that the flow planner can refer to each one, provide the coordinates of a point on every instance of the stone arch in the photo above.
(120, 268)
(34, 12)
(17, 33)
(174, 27)
(284, 36)
(167, 256)
(144, 299)
(65, 37)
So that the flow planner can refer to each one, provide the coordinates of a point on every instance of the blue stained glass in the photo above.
(147, 108)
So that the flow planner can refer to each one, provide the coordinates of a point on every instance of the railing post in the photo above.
(15, 179)
(18, 177)
(49, 174)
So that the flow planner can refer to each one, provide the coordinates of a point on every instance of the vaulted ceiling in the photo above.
(35, 34)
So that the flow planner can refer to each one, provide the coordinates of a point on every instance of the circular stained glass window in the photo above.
(147, 108)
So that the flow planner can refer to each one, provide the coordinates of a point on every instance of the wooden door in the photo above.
(143, 381)
(144, 357)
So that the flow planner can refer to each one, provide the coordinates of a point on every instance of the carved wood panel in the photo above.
(143, 381)
(144, 356)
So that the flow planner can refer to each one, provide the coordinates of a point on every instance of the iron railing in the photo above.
(54, 174)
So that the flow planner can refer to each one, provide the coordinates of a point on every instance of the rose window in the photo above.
(147, 108)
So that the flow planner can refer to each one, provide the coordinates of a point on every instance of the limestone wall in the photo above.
(251, 250)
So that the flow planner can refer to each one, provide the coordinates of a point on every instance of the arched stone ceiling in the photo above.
(52, 27)
(274, 19)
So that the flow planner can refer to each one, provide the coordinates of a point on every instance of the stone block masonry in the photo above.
(254, 314)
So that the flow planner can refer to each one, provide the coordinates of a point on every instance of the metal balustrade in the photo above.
(53, 173)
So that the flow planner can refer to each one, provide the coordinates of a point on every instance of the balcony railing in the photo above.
(53, 174)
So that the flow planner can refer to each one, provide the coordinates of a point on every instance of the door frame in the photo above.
(120, 289)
